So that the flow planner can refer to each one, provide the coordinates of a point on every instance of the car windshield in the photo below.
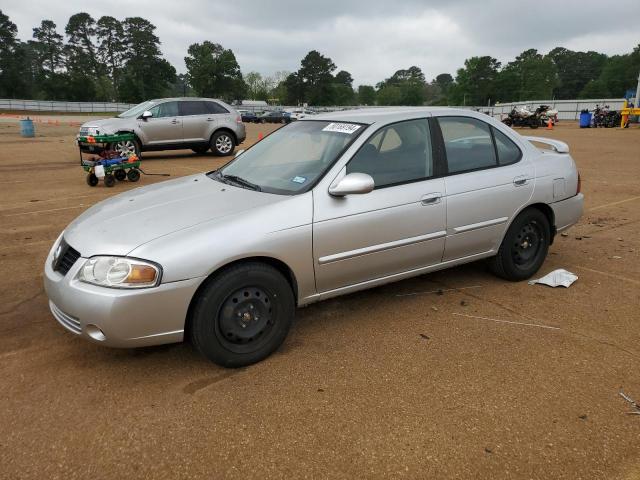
(292, 158)
(137, 110)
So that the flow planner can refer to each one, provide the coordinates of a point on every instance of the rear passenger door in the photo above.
(487, 182)
(196, 121)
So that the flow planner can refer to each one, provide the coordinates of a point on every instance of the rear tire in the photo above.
(222, 144)
(242, 315)
(524, 247)
(133, 175)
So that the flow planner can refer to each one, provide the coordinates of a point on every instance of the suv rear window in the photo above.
(213, 107)
(195, 107)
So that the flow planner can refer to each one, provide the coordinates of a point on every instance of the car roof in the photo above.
(389, 114)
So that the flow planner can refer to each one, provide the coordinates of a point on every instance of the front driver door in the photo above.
(164, 127)
(398, 227)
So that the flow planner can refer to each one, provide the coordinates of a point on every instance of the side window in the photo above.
(467, 143)
(508, 152)
(214, 108)
(192, 108)
(167, 109)
(398, 153)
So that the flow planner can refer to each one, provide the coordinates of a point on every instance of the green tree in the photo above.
(146, 74)
(83, 69)
(257, 87)
(213, 71)
(15, 77)
(316, 79)
(111, 50)
(404, 87)
(475, 82)
(575, 70)
(620, 73)
(49, 46)
(366, 95)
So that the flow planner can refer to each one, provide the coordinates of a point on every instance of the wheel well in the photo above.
(134, 134)
(279, 265)
(548, 212)
(228, 130)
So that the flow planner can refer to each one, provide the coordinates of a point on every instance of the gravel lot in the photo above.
(412, 380)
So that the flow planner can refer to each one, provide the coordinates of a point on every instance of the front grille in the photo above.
(65, 258)
(67, 321)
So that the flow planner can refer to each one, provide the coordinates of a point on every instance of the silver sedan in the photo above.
(326, 206)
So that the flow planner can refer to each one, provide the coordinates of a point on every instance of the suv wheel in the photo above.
(222, 144)
(126, 148)
(242, 315)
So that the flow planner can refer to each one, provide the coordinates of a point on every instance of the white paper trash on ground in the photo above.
(557, 278)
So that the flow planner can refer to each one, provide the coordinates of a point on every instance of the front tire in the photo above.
(242, 315)
(126, 148)
(222, 144)
(524, 247)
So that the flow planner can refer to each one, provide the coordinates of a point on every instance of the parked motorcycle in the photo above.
(522, 117)
(605, 118)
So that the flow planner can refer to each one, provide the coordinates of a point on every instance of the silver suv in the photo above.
(172, 124)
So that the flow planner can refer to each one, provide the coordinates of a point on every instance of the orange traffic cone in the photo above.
(260, 136)
(549, 125)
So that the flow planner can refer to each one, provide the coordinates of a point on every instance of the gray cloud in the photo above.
(368, 38)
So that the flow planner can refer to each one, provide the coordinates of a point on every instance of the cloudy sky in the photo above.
(369, 38)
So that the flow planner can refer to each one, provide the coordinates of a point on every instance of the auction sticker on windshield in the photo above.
(347, 128)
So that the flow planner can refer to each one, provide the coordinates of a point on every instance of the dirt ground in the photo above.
(412, 380)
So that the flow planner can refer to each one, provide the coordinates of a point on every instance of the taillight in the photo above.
(579, 184)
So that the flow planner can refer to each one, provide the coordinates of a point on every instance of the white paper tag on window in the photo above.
(99, 171)
(347, 128)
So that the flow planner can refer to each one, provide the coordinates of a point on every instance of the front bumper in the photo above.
(118, 317)
(567, 212)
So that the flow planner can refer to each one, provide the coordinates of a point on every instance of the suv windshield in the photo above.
(137, 110)
(292, 158)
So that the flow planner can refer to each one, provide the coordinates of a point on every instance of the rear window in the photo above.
(192, 108)
(213, 107)
(508, 152)
(468, 144)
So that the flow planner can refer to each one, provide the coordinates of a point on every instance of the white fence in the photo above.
(71, 107)
(567, 109)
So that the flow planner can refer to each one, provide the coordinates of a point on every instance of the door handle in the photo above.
(174, 121)
(211, 119)
(521, 180)
(431, 199)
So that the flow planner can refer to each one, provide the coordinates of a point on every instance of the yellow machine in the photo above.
(625, 112)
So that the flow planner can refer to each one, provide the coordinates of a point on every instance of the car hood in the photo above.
(107, 124)
(122, 223)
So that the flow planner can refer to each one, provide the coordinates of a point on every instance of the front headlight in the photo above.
(119, 272)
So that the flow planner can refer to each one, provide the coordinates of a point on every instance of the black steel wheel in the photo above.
(133, 175)
(242, 314)
(109, 180)
(92, 180)
(524, 246)
(120, 174)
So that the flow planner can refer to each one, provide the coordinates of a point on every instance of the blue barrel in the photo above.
(26, 128)
(585, 119)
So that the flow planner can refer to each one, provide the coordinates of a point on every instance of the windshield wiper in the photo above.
(240, 181)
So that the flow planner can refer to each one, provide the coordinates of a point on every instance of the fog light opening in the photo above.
(95, 333)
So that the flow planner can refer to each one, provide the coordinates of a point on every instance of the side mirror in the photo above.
(146, 114)
(352, 184)
(238, 153)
